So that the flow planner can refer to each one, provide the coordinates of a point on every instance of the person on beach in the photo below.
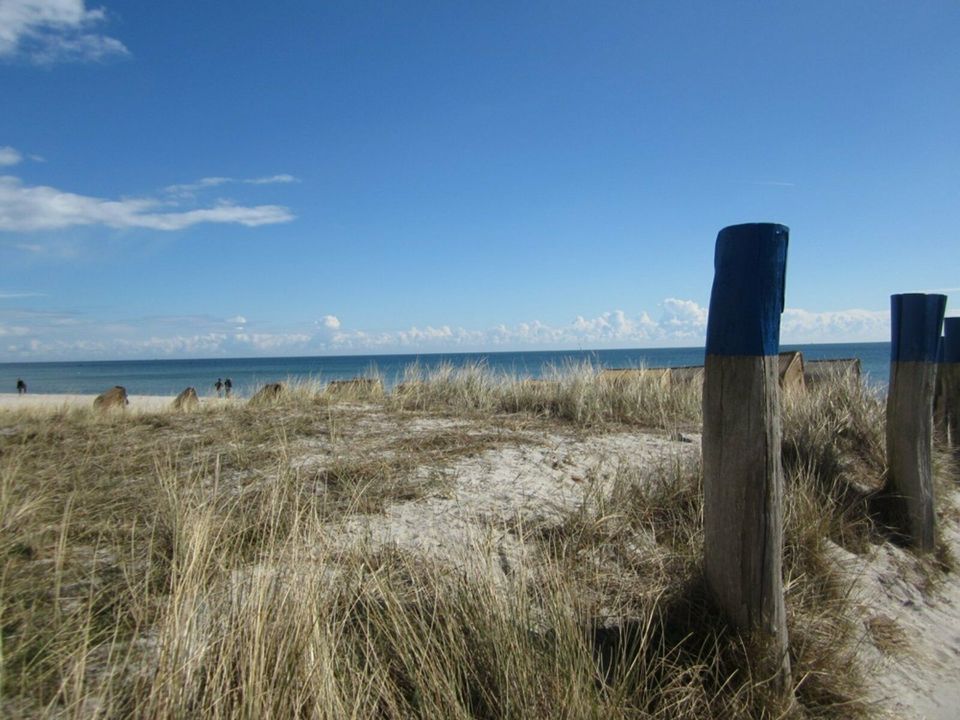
(219, 386)
(228, 386)
(21, 387)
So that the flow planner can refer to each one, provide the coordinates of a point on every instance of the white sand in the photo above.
(922, 679)
(472, 523)
(138, 403)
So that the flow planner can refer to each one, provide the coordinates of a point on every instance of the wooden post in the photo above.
(949, 380)
(915, 321)
(742, 474)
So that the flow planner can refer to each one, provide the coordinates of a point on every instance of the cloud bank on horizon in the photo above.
(32, 335)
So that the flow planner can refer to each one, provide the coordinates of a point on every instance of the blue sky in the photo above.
(185, 179)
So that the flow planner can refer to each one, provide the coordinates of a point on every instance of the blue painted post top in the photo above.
(750, 273)
(915, 321)
(951, 340)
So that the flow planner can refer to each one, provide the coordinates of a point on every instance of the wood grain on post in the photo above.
(915, 320)
(949, 380)
(743, 478)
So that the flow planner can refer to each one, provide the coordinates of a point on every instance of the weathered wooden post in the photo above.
(742, 474)
(946, 404)
(915, 320)
(940, 433)
(949, 379)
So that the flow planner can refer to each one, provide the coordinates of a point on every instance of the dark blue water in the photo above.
(169, 377)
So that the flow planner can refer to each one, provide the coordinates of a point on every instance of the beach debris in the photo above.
(115, 397)
(186, 400)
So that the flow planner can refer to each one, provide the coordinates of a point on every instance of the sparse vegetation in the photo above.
(188, 564)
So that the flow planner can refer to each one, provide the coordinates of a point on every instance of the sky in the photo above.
(200, 179)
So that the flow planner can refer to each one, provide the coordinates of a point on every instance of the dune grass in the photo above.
(185, 565)
(576, 393)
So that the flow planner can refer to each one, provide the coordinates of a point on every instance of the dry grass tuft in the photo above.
(887, 635)
(576, 393)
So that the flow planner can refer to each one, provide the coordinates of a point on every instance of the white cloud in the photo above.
(272, 179)
(190, 189)
(683, 319)
(28, 208)
(9, 156)
(682, 323)
(176, 345)
(855, 325)
(271, 341)
(50, 335)
(17, 295)
(13, 331)
(50, 31)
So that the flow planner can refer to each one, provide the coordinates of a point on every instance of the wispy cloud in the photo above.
(25, 208)
(944, 291)
(51, 31)
(9, 156)
(271, 180)
(13, 330)
(6, 295)
(190, 189)
(773, 183)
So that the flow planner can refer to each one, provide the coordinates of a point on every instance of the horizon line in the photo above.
(410, 354)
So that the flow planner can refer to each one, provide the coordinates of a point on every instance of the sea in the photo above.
(169, 377)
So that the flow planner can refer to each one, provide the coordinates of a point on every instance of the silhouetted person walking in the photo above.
(21, 387)
(219, 386)
(228, 386)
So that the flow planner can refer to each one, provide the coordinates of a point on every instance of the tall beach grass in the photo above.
(173, 565)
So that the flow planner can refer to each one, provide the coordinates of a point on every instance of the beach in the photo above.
(53, 401)
(476, 506)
